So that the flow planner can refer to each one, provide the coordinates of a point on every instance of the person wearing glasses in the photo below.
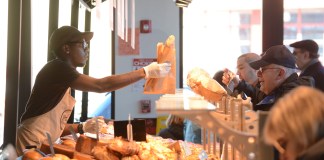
(306, 53)
(50, 103)
(247, 79)
(277, 75)
(295, 125)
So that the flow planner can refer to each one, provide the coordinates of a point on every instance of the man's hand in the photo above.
(229, 76)
(155, 70)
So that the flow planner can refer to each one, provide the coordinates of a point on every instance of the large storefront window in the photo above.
(304, 22)
(39, 35)
(99, 61)
(215, 34)
(3, 62)
(100, 51)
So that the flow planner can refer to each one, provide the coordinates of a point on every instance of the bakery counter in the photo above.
(230, 120)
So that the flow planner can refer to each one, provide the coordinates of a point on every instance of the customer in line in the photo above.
(192, 131)
(247, 79)
(174, 128)
(306, 53)
(295, 125)
(277, 75)
(50, 103)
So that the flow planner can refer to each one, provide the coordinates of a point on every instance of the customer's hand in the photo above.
(229, 76)
(155, 70)
(90, 124)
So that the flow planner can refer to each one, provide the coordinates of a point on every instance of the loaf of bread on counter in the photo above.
(65, 150)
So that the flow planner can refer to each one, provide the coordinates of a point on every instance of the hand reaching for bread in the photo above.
(229, 76)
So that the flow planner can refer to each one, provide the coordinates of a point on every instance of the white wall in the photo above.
(164, 16)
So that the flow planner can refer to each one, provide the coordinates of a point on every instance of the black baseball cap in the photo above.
(278, 54)
(67, 34)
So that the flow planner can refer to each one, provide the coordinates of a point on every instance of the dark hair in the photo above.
(57, 53)
(219, 77)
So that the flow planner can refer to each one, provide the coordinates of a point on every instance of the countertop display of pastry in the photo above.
(109, 147)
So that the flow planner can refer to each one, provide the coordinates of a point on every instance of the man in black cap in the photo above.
(50, 103)
(306, 53)
(277, 75)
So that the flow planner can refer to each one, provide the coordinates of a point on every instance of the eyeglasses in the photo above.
(262, 70)
(83, 43)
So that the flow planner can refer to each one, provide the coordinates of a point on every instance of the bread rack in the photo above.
(228, 120)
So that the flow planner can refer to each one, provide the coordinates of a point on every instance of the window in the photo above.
(312, 32)
(99, 61)
(99, 58)
(304, 22)
(215, 34)
(290, 32)
(3, 62)
(39, 36)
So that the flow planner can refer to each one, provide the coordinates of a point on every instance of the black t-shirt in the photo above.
(51, 83)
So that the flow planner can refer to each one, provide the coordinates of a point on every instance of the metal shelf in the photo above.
(245, 140)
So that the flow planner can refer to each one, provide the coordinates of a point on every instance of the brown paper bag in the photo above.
(167, 85)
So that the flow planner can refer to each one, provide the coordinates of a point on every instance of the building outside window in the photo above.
(225, 31)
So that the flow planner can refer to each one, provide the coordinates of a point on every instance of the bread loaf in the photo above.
(65, 150)
(69, 142)
(103, 153)
(124, 147)
(201, 83)
(85, 144)
(31, 154)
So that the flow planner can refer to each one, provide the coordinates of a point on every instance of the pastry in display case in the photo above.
(107, 146)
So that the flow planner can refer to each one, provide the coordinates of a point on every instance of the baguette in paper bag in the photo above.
(166, 53)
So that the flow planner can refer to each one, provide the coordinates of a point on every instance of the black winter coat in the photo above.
(174, 132)
(290, 83)
(265, 102)
(315, 70)
(315, 152)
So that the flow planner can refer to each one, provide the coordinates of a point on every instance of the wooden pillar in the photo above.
(12, 83)
(272, 23)
(52, 22)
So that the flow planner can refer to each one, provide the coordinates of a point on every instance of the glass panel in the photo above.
(304, 21)
(312, 17)
(312, 32)
(78, 94)
(64, 13)
(220, 29)
(100, 60)
(39, 35)
(3, 62)
(290, 32)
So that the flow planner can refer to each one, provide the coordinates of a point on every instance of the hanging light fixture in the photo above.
(89, 4)
(182, 3)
